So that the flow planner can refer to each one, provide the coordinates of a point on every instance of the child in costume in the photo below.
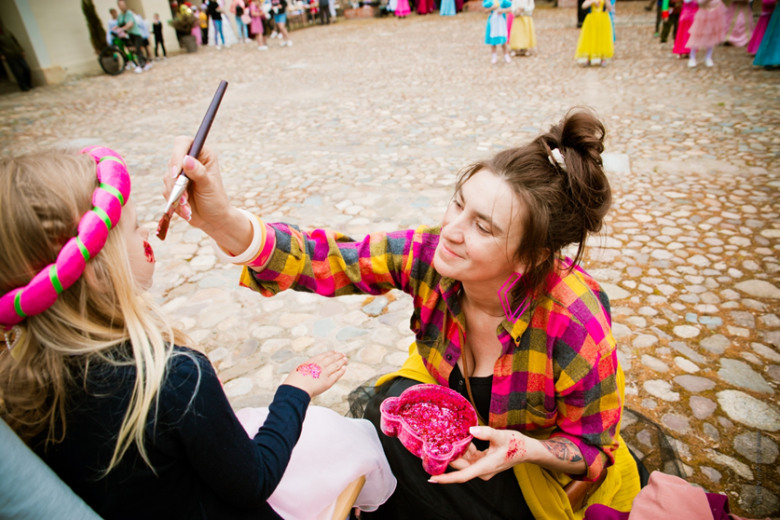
(687, 15)
(497, 32)
(196, 32)
(611, 10)
(708, 30)
(94, 377)
(258, 25)
(522, 37)
(739, 23)
(767, 8)
(671, 17)
(447, 8)
(768, 54)
(402, 9)
(596, 43)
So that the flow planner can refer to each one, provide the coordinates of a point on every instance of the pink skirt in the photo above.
(683, 28)
(257, 25)
(402, 8)
(739, 23)
(709, 27)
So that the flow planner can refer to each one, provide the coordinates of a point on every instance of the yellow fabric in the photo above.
(596, 42)
(543, 489)
(523, 35)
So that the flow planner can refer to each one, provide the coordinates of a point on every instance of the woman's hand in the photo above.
(507, 448)
(206, 205)
(319, 373)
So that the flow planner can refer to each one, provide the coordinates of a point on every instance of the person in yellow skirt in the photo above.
(522, 37)
(596, 43)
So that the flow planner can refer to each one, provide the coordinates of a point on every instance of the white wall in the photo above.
(55, 35)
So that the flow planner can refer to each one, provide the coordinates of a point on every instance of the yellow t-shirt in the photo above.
(204, 20)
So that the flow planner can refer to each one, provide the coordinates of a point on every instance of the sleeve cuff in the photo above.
(293, 393)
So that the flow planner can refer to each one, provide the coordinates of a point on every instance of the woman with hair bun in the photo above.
(500, 316)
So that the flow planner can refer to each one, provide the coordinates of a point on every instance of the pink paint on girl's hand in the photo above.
(310, 369)
(148, 252)
(515, 449)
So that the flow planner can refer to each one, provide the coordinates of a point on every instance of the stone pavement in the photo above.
(362, 126)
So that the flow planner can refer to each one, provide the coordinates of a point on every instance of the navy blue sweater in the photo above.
(206, 465)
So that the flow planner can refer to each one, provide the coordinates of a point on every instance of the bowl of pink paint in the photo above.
(432, 422)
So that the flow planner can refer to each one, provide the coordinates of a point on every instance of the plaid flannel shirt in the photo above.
(556, 375)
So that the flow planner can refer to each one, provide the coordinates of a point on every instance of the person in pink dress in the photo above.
(402, 9)
(738, 23)
(687, 14)
(767, 8)
(196, 28)
(258, 25)
(708, 30)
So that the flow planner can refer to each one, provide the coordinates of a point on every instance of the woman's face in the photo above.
(139, 252)
(480, 232)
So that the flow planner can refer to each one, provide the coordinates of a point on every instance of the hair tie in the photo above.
(108, 199)
(558, 158)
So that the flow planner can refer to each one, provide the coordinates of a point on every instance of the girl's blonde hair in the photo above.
(42, 199)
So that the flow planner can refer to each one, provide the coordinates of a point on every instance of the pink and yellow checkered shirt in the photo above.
(557, 372)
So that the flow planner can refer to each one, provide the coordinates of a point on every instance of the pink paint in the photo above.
(148, 252)
(432, 422)
(310, 369)
(515, 449)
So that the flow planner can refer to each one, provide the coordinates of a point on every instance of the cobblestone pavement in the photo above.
(362, 126)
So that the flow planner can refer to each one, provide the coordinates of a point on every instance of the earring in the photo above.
(505, 294)
(12, 337)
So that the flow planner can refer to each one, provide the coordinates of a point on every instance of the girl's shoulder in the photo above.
(188, 373)
(186, 362)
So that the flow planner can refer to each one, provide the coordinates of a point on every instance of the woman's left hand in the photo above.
(507, 448)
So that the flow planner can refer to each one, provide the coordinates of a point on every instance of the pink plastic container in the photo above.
(432, 422)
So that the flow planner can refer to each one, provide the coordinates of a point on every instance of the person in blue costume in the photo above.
(447, 8)
(612, 17)
(768, 54)
(496, 32)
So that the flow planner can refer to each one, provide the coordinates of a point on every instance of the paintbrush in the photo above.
(182, 181)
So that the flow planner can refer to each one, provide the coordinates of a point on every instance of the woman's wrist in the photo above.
(535, 451)
(233, 233)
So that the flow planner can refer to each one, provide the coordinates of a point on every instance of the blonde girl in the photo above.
(94, 380)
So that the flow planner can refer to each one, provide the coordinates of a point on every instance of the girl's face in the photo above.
(480, 232)
(139, 252)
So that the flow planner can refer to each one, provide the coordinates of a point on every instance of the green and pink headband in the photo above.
(107, 199)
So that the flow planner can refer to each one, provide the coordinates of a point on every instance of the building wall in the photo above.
(55, 36)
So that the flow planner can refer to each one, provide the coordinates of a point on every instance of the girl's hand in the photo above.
(205, 205)
(319, 373)
(507, 448)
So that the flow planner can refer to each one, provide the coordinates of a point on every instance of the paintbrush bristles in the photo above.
(162, 227)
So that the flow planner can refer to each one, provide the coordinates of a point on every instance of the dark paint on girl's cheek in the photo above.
(148, 252)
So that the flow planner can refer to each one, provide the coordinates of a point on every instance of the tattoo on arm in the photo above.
(563, 449)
